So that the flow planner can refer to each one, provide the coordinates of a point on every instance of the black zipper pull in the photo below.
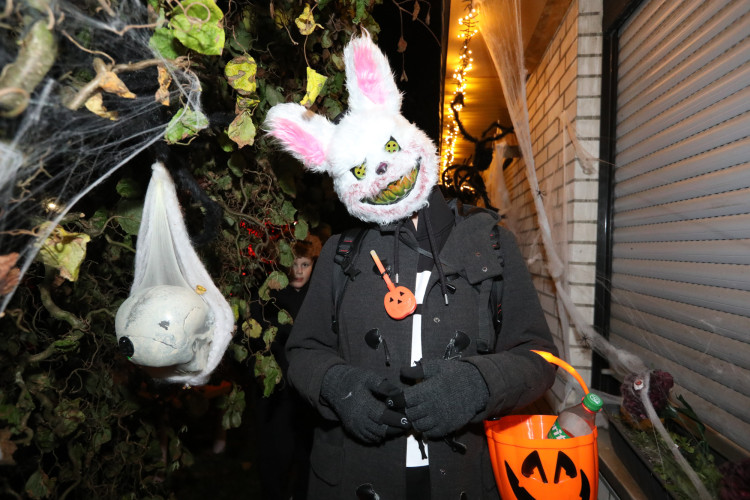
(457, 344)
(373, 339)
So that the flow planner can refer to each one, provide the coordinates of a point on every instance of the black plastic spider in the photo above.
(464, 180)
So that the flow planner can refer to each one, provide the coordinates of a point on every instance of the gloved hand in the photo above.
(451, 394)
(365, 403)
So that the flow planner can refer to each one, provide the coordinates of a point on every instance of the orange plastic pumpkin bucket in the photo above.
(527, 465)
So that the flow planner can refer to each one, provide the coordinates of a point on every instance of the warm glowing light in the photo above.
(51, 206)
(470, 27)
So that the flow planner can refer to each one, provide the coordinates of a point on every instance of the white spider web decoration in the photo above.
(56, 151)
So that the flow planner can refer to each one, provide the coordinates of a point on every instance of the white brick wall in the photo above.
(567, 80)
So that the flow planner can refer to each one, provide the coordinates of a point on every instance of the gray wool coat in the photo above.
(514, 376)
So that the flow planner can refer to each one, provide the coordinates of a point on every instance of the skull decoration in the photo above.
(175, 324)
(164, 326)
(383, 167)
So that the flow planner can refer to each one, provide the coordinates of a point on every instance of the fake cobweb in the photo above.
(73, 117)
(55, 149)
(506, 48)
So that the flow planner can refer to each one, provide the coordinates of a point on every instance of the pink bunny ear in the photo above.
(302, 133)
(369, 79)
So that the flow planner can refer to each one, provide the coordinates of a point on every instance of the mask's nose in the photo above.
(126, 347)
(381, 168)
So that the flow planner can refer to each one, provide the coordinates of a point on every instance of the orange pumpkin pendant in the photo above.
(399, 302)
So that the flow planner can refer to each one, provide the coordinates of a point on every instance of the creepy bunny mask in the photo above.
(383, 167)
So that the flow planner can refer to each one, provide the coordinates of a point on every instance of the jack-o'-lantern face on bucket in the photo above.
(549, 478)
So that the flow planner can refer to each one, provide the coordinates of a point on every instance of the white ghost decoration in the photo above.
(175, 323)
(383, 167)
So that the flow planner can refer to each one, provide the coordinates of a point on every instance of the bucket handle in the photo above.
(551, 358)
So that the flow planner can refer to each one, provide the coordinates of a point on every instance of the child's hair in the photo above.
(309, 247)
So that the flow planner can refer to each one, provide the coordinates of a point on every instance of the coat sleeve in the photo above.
(515, 376)
(312, 347)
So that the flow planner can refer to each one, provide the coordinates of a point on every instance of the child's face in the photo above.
(301, 271)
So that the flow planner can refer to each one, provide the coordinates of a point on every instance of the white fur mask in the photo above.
(383, 167)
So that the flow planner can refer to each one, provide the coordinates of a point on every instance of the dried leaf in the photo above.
(245, 104)
(240, 73)
(65, 252)
(315, 82)
(165, 80)
(280, 19)
(275, 281)
(39, 485)
(7, 262)
(8, 273)
(338, 61)
(95, 104)
(111, 83)
(242, 130)
(401, 44)
(415, 12)
(306, 21)
(251, 328)
(404, 78)
(68, 416)
(7, 448)
(269, 335)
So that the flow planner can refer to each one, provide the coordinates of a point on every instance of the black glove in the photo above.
(451, 394)
(363, 401)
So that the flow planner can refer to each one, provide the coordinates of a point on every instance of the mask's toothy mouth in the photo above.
(396, 190)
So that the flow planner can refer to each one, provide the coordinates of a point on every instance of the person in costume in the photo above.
(403, 414)
(284, 421)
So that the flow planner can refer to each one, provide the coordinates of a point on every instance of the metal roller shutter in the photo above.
(680, 280)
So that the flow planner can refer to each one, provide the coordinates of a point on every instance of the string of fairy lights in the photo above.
(469, 28)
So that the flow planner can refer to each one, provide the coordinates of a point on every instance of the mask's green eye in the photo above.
(392, 146)
(359, 171)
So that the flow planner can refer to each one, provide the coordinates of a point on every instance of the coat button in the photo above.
(443, 472)
(484, 269)
(436, 319)
(478, 254)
